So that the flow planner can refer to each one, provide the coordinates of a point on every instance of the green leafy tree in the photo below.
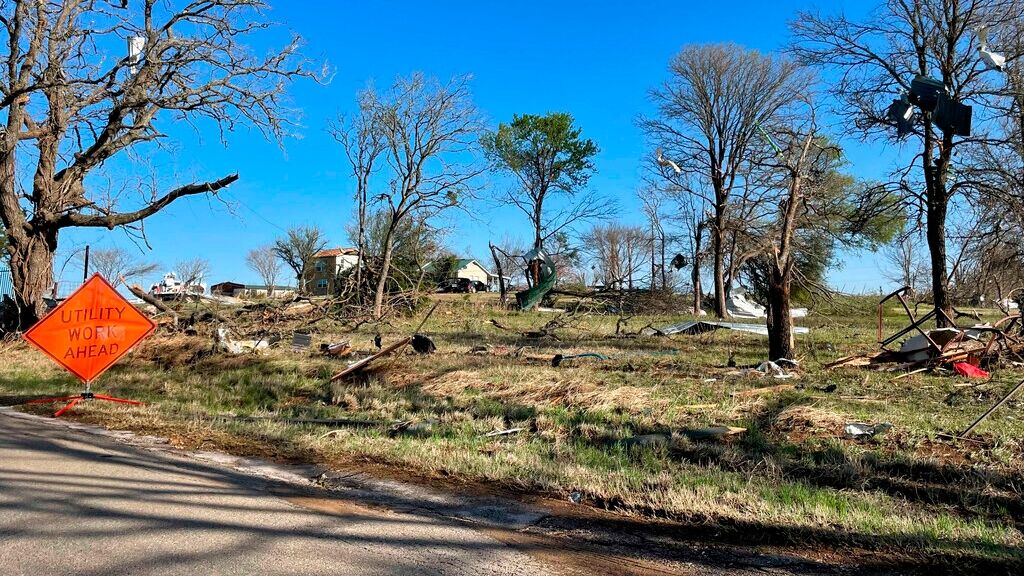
(548, 157)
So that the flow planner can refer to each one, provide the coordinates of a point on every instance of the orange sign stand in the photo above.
(89, 332)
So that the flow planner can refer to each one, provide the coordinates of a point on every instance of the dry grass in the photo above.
(793, 475)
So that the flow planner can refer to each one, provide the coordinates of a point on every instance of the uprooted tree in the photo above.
(76, 98)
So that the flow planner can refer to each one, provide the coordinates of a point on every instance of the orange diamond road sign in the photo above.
(90, 330)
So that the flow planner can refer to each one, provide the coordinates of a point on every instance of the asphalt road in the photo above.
(74, 503)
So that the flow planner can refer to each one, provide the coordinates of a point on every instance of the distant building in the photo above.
(322, 276)
(466, 268)
(226, 288)
(236, 290)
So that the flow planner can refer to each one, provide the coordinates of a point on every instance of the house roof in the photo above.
(334, 252)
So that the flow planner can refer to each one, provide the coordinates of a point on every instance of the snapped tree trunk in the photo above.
(780, 320)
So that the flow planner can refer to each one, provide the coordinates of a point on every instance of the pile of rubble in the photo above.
(967, 350)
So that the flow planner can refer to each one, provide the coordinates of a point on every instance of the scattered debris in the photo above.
(299, 308)
(575, 497)
(711, 433)
(423, 344)
(738, 306)
(861, 431)
(558, 359)
(411, 428)
(541, 271)
(232, 346)
(647, 441)
(359, 365)
(503, 432)
(969, 370)
(1001, 401)
(926, 350)
(694, 327)
(301, 340)
(340, 349)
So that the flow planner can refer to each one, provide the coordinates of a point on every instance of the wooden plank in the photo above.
(357, 366)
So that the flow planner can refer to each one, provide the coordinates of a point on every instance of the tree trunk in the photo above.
(718, 246)
(382, 281)
(780, 320)
(32, 275)
(360, 245)
(698, 290)
(698, 295)
(937, 248)
(501, 277)
(664, 279)
(538, 241)
(937, 206)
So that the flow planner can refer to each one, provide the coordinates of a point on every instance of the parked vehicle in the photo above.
(463, 286)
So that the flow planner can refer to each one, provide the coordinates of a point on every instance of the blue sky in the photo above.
(595, 60)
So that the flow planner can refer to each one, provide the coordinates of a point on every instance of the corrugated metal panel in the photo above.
(6, 286)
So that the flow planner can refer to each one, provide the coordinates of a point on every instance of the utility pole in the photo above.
(85, 268)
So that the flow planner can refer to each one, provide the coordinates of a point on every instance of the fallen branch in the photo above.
(141, 294)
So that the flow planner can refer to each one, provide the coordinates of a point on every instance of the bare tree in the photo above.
(877, 59)
(117, 265)
(709, 112)
(70, 106)
(363, 141)
(431, 136)
(191, 272)
(265, 263)
(296, 250)
(903, 262)
(655, 207)
(618, 252)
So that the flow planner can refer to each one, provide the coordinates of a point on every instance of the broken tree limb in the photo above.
(357, 366)
(141, 294)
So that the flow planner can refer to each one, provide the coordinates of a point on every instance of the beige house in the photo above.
(467, 268)
(322, 276)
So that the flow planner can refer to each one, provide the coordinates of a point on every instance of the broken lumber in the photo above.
(357, 366)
